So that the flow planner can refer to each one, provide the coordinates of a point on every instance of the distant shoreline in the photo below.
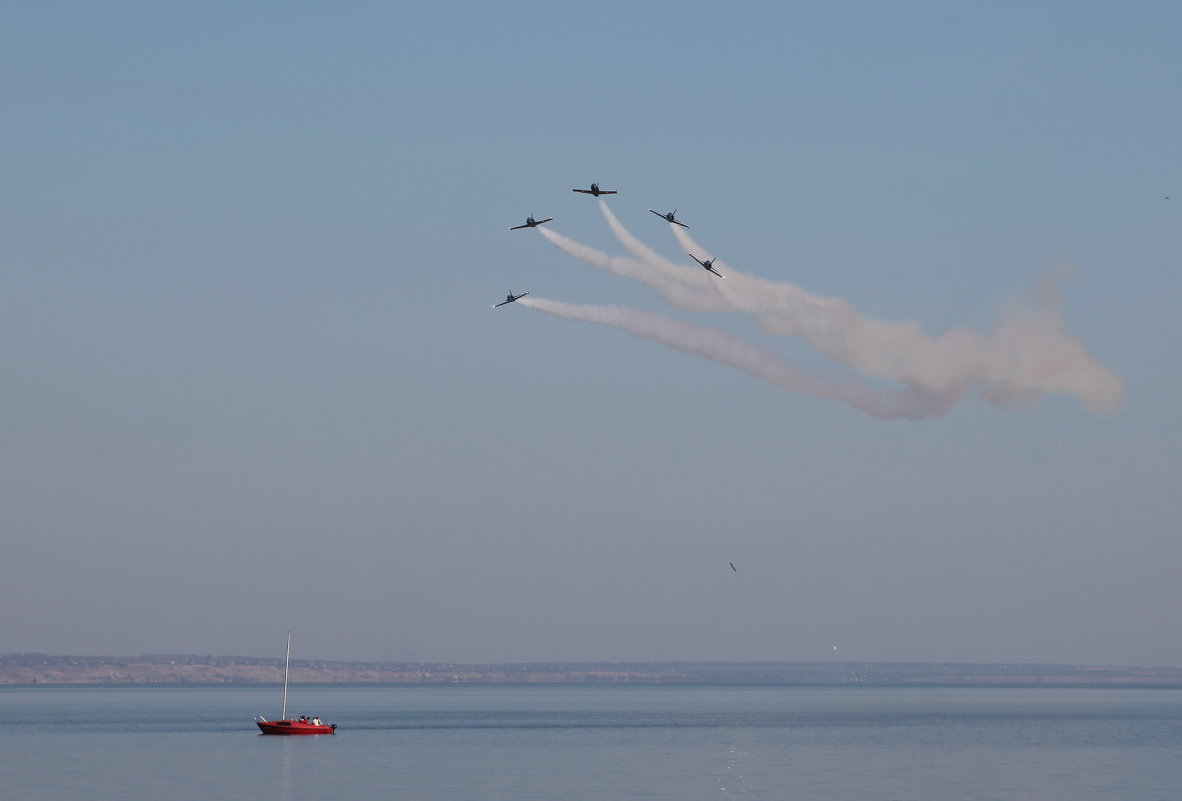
(173, 669)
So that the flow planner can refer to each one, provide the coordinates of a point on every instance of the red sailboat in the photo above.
(286, 725)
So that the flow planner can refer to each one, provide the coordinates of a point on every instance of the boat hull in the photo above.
(294, 727)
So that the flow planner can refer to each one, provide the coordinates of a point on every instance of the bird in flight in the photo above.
(734, 568)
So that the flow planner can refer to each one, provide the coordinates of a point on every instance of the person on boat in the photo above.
(316, 721)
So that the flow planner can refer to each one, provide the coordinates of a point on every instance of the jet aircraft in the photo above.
(671, 217)
(595, 190)
(530, 222)
(510, 298)
(708, 264)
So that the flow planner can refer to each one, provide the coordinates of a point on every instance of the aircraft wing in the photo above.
(539, 222)
(511, 299)
(586, 191)
(679, 222)
(514, 228)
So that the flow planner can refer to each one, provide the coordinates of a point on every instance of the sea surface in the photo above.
(584, 743)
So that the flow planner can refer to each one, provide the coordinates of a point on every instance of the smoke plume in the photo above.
(1027, 354)
(728, 349)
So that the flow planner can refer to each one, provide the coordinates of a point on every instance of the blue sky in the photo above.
(252, 382)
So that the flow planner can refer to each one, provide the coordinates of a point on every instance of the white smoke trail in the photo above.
(675, 292)
(1028, 354)
(725, 348)
(695, 276)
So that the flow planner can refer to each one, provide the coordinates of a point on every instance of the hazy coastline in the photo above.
(45, 669)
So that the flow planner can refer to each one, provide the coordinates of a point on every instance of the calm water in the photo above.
(576, 743)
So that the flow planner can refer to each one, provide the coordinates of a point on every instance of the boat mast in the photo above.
(286, 665)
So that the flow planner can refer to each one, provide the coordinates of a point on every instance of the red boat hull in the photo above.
(294, 727)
